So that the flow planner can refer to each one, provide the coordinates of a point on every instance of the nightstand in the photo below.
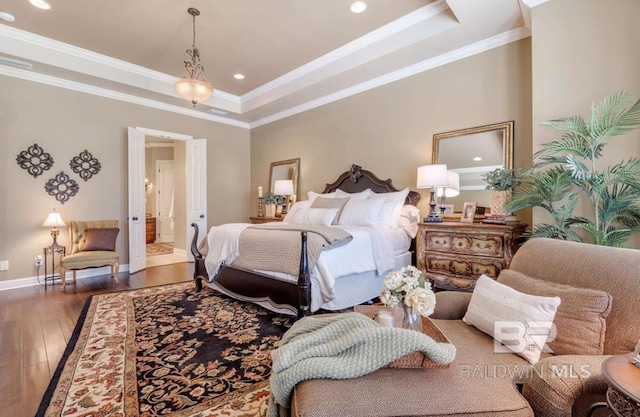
(50, 254)
(623, 379)
(259, 220)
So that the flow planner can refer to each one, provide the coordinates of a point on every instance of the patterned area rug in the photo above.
(166, 351)
(159, 249)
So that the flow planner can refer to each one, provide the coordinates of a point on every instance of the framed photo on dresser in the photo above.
(468, 212)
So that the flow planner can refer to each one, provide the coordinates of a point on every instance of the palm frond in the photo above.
(571, 143)
(575, 124)
(613, 117)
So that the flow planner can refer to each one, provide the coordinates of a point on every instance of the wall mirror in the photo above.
(285, 170)
(475, 151)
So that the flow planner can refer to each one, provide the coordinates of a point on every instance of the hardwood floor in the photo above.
(35, 326)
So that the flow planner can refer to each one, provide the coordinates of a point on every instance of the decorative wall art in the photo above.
(61, 187)
(35, 160)
(85, 165)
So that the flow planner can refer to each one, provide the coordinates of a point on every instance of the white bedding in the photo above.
(372, 249)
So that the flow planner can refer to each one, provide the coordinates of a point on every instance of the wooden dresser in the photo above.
(453, 255)
(151, 229)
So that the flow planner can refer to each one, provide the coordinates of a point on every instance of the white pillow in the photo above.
(362, 195)
(409, 219)
(293, 211)
(361, 213)
(315, 216)
(312, 195)
(390, 213)
(518, 322)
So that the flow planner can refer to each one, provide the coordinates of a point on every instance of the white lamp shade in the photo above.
(283, 187)
(53, 220)
(453, 186)
(432, 176)
(194, 90)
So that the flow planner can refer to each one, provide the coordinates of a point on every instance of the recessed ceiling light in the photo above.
(358, 6)
(7, 17)
(41, 4)
(477, 158)
(238, 76)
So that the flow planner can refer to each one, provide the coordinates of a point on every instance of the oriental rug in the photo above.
(166, 351)
(159, 249)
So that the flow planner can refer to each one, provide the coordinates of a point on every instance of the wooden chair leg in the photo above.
(63, 273)
(74, 277)
(115, 269)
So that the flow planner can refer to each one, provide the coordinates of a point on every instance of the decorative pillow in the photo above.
(361, 213)
(313, 195)
(581, 318)
(337, 203)
(517, 321)
(409, 219)
(390, 212)
(101, 239)
(315, 216)
(300, 205)
(362, 195)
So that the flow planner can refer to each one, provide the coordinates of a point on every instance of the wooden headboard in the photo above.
(358, 179)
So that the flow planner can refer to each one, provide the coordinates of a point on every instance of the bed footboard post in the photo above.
(200, 271)
(304, 281)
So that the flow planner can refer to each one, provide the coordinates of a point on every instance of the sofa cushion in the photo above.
(527, 319)
(83, 260)
(477, 383)
(581, 317)
(101, 239)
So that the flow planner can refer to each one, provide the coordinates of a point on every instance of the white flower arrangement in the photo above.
(408, 286)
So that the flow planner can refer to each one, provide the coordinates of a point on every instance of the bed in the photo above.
(307, 290)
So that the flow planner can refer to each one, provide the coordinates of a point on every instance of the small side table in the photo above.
(623, 395)
(258, 220)
(50, 253)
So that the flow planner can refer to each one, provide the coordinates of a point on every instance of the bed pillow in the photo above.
(101, 239)
(581, 318)
(362, 195)
(502, 313)
(361, 213)
(311, 195)
(295, 209)
(315, 216)
(392, 208)
(337, 203)
(409, 219)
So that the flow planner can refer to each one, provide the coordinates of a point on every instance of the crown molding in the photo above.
(115, 95)
(447, 58)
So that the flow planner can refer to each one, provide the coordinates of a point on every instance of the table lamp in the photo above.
(451, 190)
(285, 189)
(433, 176)
(54, 220)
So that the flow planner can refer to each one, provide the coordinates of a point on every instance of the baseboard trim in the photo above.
(80, 274)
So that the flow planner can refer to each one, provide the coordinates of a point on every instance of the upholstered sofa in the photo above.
(483, 383)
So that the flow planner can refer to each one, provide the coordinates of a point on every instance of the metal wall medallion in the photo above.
(35, 160)
(85, 165)
(62, 187)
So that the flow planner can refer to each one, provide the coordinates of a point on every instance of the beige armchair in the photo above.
(92, 246)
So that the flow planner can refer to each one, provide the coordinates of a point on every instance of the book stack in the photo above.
(500, 219)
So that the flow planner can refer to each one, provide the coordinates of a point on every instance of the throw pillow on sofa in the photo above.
(581, 318)
(518, 321)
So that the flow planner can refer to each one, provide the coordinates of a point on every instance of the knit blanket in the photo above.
(341, 346)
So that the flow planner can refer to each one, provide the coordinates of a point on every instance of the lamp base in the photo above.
(432, 218)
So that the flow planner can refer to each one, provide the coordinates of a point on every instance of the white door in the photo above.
(196, 163)
(165, 201)
(137, 222)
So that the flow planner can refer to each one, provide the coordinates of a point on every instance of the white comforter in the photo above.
(371, 249)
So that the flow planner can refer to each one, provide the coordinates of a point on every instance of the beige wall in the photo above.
(65, 123)
(582, 54)
(389, 130)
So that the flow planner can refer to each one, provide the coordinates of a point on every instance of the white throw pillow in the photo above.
(361, 213)
(295, 211)
(409, 219)
(391, 211)
(315, 216)
(362, 195)
(518, 322)
(311, 195)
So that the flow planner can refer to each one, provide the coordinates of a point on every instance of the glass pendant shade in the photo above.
(194, 90)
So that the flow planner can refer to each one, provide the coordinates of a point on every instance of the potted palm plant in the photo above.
(567, 170)
(501, 182)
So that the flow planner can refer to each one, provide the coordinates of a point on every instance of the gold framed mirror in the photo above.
(475, 151)
(285, 170)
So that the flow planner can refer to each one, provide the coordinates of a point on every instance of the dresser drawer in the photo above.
(469, 266)
(465, 244)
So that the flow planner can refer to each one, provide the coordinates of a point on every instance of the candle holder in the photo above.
(260, 207)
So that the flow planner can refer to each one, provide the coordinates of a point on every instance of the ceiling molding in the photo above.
(115, 95)
(447, 58)
(163, 134)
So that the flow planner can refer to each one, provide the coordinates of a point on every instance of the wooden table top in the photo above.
(623, 376)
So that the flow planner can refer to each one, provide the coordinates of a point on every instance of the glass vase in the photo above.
(411, 320)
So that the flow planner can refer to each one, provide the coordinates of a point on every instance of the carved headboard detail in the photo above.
(358, 179)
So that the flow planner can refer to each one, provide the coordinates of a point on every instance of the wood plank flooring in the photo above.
(35, 326)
